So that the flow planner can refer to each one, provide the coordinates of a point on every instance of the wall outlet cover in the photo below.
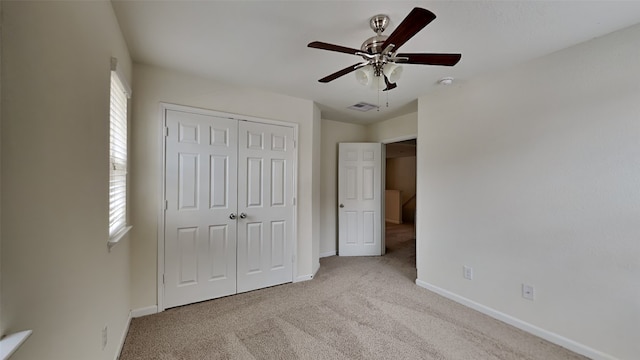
(528, 291)
(105, 331)
(467, 272)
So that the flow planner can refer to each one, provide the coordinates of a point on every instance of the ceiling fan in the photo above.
(379, 52)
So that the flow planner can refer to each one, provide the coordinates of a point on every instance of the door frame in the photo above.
(381, 211)
(384, 185)
(164, 106)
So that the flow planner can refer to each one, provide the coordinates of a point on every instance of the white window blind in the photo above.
(118, 159)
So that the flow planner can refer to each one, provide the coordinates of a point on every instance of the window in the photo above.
(118, 157)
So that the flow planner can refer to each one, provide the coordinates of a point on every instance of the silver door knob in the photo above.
(232, 216)
(243, 215)
(341, 206)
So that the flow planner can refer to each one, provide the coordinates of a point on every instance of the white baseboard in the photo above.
(303, 278)
(123, 337)
(135, 313)
(328, 253)
(522, 325)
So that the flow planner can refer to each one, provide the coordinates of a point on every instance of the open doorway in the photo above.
(400, 199)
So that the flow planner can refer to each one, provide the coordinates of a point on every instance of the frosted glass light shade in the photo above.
(392, 71)
(364, 75)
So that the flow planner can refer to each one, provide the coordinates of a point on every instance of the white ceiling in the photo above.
(263, 44)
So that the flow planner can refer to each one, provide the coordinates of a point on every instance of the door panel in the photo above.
(266, 155)
(201, 193)
(254, 248)
(188, 261)
(254, 182)
(350, 222)
(219, 188)
(278, 180)
(360, 199)
(188, 165)
(218, 244)
(278, 246)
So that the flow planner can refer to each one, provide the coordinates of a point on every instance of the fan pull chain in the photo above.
(378, 109)
(387, 98)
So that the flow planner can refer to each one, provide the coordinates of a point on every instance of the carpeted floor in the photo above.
(355, 308)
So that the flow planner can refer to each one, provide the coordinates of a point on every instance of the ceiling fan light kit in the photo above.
(380, 69)
(366, 75)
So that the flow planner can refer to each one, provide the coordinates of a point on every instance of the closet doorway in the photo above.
(229, 205)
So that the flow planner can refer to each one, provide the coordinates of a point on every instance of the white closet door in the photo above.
(265, 205)
(201, 194)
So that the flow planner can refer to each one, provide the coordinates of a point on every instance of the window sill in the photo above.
(115, 239)
(10, 343)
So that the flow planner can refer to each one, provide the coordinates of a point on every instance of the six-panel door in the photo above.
(201, 194)
(265, 197)
(359, 198)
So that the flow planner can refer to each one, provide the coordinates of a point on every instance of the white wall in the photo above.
(58, 277)
(155, 85)
(399, 127)
(532, 176)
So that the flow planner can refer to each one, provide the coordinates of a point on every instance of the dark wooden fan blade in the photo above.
(331, 47)
(417, 19)
(430, 59)
(337, 74)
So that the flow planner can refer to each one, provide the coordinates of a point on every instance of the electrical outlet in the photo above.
(467, 272)
(528, 292)
(105, 331)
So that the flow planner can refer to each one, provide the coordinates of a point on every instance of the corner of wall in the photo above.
(1, 33)
(316, 186)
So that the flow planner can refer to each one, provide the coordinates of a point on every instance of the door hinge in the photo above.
(166, 204)
(295, 144)
(293, 258)
(293, 201)
(162, 279)
(166, 131)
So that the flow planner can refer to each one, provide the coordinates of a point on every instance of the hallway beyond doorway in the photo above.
(400, 240)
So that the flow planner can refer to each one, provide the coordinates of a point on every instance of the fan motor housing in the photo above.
(373, 45)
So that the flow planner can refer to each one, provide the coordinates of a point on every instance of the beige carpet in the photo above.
(355, 308)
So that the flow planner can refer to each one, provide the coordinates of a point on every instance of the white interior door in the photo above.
(201, 194)
(360, 199)
(265, 205)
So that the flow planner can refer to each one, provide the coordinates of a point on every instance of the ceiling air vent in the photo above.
(362, 106)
